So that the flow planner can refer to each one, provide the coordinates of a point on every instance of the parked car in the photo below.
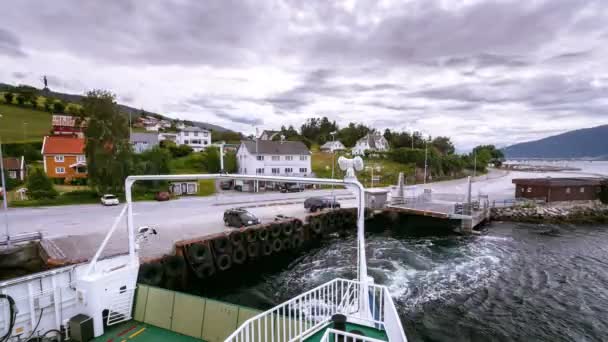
(239, 217)
(313, 204)
(290, 187)
(162, 196)
(109, 199)
(226, 185)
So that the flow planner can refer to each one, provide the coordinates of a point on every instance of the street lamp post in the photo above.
(425, 160)
(333, 162)
(4, 194)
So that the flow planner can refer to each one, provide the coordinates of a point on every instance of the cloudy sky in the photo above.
(478, 71)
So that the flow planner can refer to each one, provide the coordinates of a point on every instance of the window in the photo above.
(288, 157)
(205, 142)
(82, 159)
(303, 157)
(12, 174)
(276, 170)
(288, 170)
(259, 157)
(529, 189)
(259, 171)
(59, 170)
(186, 142)
(245, 170)
(59, 159)
(205, 134)
(186, 133)
(582, 189)
(303, 170)
(567, 190)
(523, 189)
(276, 158)
(196, 134)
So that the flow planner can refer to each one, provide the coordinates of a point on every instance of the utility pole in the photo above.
(474, 164)
(425, 160)
(333, 158)
(222, 157)
(412, 136)
(4, 195)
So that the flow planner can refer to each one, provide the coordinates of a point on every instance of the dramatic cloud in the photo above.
(480, 71)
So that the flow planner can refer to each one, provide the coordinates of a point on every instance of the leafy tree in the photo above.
(48, 104)
(229, 137)
(230, 164)
(21, 99)
(108, 151)
(72, 109)
(11, 183)
(58, 106)
(8, 97)
(443, 145)
(180, 150)
(39, 186)
(155, 161)
(351, 133)
(212, 159)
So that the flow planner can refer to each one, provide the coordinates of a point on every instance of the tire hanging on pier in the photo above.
(297, 241)
(251, 235)
(288, 228)
(198, 253)
(239, 255)
(174, 266)
(253, 250)
(223, 262)
(236, 238)
(316, 225)
(150, 274)
(277, 245)
(275, 230)
(204, 270)
(263, 234)
(266, 248)
(222, 245)
(287, 246)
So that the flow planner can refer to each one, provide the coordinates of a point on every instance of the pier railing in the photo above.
(311, 311)
(333, 335)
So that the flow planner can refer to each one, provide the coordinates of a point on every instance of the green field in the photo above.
(22, 124)
(388, 170)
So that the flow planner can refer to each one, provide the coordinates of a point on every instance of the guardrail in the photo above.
(333, 335)
(311, 311)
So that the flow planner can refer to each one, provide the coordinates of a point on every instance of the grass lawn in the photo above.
(388, 170)
(22, 124)
(206, 187)
(192, 163)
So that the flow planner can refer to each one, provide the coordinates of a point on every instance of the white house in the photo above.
(152, 127)
(266, 157)
(332, 146)
(371, 142)
(268, 135)
(195, 137)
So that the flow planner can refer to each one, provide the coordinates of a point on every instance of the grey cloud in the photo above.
(243, 119)
(10, 44)
(19, 75)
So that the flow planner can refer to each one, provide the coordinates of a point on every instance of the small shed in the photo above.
(184, 188)
(376, 198)
(560, 189)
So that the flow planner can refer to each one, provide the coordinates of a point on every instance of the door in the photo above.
(184, 189)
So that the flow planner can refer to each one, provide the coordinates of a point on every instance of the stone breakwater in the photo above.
(546, 214)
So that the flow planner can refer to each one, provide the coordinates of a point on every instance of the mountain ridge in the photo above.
(134, 112)
(585, 143)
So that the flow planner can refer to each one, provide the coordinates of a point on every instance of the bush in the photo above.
(82, 195)
(8, 97)
(39, 186)
(180, 151)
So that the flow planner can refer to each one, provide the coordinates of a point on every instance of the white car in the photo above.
(109, 200)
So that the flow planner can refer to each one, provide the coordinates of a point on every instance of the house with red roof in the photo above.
(15, 167)
(64, 157)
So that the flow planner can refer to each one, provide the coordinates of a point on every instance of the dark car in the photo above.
(239, 218)
(317, 203)
(226, 185)
(162, 196)
(291, 188)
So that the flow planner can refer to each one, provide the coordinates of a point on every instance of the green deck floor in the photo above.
(134, 331)
(369, 332)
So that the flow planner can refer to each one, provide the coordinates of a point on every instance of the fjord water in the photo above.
(516, 282)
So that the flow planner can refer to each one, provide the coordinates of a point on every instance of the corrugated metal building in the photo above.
(558, 189)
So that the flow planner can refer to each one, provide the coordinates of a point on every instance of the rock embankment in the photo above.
(542, 214)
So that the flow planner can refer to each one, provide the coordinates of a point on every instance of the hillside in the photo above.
(73, 98)
(583, 143)
(21, 124)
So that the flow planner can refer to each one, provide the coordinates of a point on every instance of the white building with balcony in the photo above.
(266, 157)
(195, 137)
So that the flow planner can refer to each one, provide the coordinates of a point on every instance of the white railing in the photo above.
(311, 311)
(333, 335)
(121, 306)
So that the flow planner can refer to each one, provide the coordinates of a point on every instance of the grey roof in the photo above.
(372, 139)
(275, 147)
(194, 129)
(150, 138)
(560, 181)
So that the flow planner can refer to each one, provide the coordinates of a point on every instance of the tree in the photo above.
(108, 151)
(26, 93)
(48, 104)
(72, 109)
(11, 183)
(20, 99)
(155, 161)
(212, 159)
(443, 145)
(8, 97)
(230, 164)
(180, 151)
(58, 106)
(39, 186)
(351, 133)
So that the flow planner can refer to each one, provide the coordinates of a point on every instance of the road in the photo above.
(75, 231)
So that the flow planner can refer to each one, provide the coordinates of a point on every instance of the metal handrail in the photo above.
(339, 335)
(309, 312)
